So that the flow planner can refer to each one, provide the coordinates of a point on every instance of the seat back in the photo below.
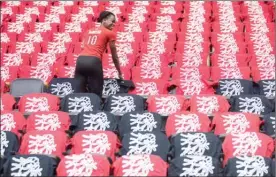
(65, 86)
(20, 87)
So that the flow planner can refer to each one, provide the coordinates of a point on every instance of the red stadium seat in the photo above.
(185, 122)
(36, 102)
(101, 142)
(263, 73)
(227, 123)
(154, 72)
(44, 142)
(191, 59)
(202, 72)
(98, 165)
(135, 165)
(45, 73)
(47, 59)
(13, 121)
(166, 104)
(48, 120)
(148, 87)
(192, 86)
(66, 71)
(218, 73)
(256, 143)
(9, 73)
(230, 60)
(208, 104)
(7, 102)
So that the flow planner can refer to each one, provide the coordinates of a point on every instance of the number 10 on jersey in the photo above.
(92, 40)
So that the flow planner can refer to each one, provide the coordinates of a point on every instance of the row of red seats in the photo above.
(71, 27)
(267, 6)
(47, 73)
(119, 3)
(260, 41)
(77, 15)
(162, 104)
(95, 3)
(107, 143)
(22, 125)
(96, 147)
(144, 47)
(81, 137)
(59, 13)
(157, 103)
(158, 36)
(34, 122)
(119, 10)
(58, 10)
(138, 59)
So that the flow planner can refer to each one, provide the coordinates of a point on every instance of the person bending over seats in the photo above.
(89, 63)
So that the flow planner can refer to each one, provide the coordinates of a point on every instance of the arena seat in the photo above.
(21, 87)
(198, 77)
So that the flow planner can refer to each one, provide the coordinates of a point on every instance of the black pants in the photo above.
(89, 70)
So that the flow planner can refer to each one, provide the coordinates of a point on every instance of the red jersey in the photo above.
(95, 41)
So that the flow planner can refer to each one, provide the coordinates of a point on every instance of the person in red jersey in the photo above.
(89, 63)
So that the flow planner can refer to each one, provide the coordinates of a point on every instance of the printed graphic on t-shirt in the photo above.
(187, 123)
(62, 89)
(47, 122)
(194, 144)
(80, 165)
(7, 122)
(139, 165)
(197, 166)
(251, 166)
(142, 122)
(97, 121)
(29, 166)
(4, 143)
(96, 143)
(142, 144)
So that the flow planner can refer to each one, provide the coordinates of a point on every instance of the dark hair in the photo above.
(104, 15)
